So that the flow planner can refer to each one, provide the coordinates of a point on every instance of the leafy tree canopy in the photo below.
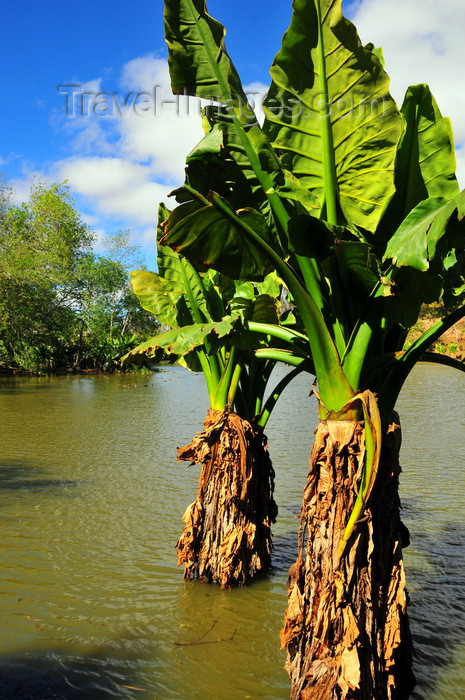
(61, 305)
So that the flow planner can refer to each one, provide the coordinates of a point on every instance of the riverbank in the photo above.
(68, 371)
(451, 343)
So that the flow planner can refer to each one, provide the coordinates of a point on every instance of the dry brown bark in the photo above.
(346, 628)
(227, 535)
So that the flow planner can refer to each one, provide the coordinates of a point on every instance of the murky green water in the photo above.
(92, 604)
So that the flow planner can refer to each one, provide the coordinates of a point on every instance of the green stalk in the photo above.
(212, 359)
(354, 357)
(329, 164)
(276, 393)
(334, 386)
(259, 376)
(236, 375)
(286, 356)
(241, 405)
(209, 380)
(244, 398)
(287, 334)
(223, 388)
(249, 394)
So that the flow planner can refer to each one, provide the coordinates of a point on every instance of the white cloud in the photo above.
(141, 123)
(422, 42)
(131, 143)
(256, 93)
(90, 137)
(117, 188)
(144, 72)
(168, 129)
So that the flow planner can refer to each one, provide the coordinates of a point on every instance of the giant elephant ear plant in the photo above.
(213, 327)
(355, 204)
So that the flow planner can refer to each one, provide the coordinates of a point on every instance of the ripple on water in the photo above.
(92, 603)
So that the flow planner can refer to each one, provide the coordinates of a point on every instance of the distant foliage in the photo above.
(62, 307)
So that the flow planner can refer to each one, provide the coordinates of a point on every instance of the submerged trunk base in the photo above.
(346, 629)
(227, 535)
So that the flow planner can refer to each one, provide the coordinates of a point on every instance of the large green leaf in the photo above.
(212, 235)
(265, 309)
(200, 66)
(261, 308)
(160, 297)
(183, 276)
(271, 285)
(425, 162)
(357, 268)
(330, 114)
(257, 302)
(196, 42)
(180, 341)
(415, 242)
(230, 171)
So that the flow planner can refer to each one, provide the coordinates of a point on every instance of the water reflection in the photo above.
(92, 604)
(55, 675)
(434, 504)
(26, 476)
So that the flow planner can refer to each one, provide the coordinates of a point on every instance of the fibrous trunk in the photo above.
(346, 629)
(227, 535)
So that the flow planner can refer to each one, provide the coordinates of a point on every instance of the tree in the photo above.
(62, 306)
(40, 240)
(118, 247)
(96, 295)
(354, 203)
(133, 318)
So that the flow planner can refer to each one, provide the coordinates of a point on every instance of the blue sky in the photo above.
(118, 168)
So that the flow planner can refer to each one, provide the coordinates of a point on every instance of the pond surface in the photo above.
(92, 604)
